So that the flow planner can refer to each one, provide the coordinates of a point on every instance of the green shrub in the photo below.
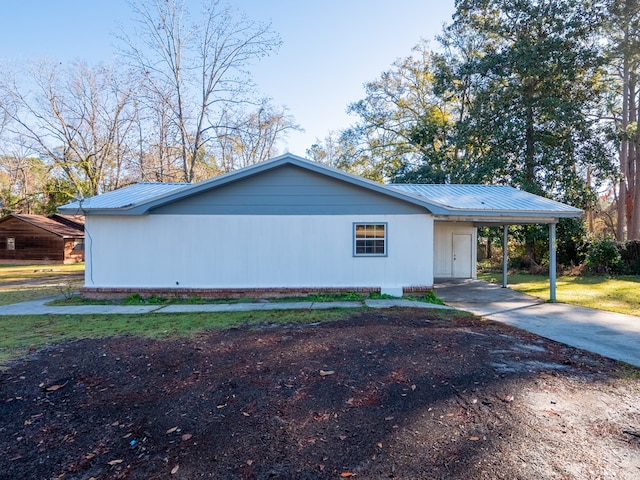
(430, 297)
(603, 256)
(135, 299)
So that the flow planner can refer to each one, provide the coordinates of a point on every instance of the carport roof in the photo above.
(482, 204)
(490, 203)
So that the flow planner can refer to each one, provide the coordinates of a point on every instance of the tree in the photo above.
(195, 71)
(243, 139)
(22, 179)
(538, 85)
(622, 34)
(74, 118)
(536, 97)
(402, 125)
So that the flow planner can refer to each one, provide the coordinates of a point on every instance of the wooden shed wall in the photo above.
(31, 243)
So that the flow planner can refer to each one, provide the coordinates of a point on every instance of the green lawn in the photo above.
(620, 294)
(45, 281)
(21, 333)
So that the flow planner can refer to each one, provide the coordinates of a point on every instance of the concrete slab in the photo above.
(38, 307)
(389, 303)
(288, 306)
(211, 307)
(326, 305)
(612, 335)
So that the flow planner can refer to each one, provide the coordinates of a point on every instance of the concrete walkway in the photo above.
(612, 335)
(38, 307)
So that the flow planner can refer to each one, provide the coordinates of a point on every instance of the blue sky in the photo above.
(330, 47)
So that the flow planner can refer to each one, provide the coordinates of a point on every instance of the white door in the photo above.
(461, 255)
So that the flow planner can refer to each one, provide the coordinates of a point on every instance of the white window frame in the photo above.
(371, 238)
(11, 243)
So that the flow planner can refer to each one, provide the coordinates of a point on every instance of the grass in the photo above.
(50, 281)
(619, 294)
(22, 333)
(21, 272)
(137, 299)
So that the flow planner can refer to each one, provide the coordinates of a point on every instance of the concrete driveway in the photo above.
(609, 334)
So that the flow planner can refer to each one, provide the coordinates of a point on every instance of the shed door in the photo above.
(461, 255)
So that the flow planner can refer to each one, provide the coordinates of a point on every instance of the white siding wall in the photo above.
(443, 247)
(247, 251)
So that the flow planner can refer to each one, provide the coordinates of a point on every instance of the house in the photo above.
(292, 226)
(41, 239)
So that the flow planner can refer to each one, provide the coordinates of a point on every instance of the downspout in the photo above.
(505, 254)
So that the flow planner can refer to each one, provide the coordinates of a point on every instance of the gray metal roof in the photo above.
(123, 197)
(483, 204)
(489, 198)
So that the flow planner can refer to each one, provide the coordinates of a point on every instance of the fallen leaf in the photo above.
(175, 469)
(246, 414)
(116, 462)
(249, 462)
(413, 388)
(379, 444)
(324, 373)
(220, 406)
(342, 437)
(186, 437)
(508, 398)
(346, 474)
(53, 388)
(474, 439)
(171, 430)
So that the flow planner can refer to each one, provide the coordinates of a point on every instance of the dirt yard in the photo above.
(397, 394)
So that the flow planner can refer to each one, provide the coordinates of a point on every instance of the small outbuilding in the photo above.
(292, 226)
(41, 239)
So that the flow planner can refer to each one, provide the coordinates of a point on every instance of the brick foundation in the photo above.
(220, 293)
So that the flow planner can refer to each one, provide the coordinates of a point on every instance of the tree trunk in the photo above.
(633, 172)
(624, 146)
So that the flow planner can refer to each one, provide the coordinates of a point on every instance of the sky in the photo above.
(330, 49)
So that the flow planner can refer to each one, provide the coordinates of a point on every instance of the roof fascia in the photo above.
(514, 218)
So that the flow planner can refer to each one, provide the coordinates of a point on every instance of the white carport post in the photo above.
(505, 254)
(552, 262)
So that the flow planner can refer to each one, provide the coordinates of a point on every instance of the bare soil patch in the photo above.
(399, 393)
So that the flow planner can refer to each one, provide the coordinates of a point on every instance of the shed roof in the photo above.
(50, 225)
(485, 204)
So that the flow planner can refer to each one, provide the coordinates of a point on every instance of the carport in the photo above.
(496, 206)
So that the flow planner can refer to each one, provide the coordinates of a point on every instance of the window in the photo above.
(11, 243)
(370, 239)
(78, 244)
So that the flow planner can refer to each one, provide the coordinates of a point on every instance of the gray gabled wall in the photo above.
(288, 190)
